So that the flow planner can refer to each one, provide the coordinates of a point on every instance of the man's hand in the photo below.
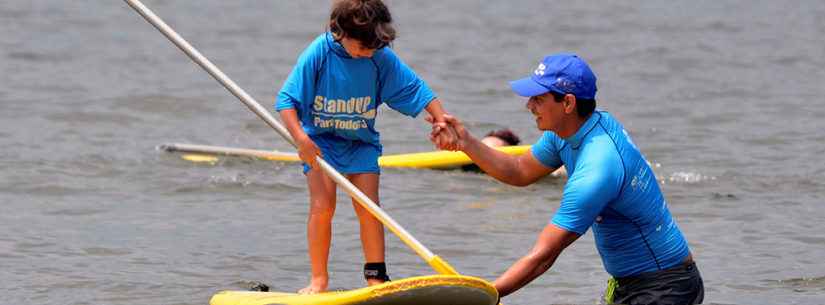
(449, 134)
(462, 136)
(443, 135)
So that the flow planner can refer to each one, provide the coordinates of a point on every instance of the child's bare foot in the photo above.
(315, 286)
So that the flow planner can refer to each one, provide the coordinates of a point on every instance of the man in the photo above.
(610, 188)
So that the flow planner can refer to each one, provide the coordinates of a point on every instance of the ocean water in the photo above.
(725, 98)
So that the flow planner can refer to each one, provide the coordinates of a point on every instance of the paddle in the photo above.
(438, 264)
(200, 150)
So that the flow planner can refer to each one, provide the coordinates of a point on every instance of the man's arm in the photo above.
(519, 170)
(549, 245)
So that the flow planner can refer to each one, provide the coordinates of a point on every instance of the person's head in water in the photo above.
(361, 26)
(501, 137)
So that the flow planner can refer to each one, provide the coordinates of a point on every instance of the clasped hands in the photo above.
(449, 134)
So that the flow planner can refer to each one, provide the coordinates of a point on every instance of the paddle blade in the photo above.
(200, 158)
(441, 266)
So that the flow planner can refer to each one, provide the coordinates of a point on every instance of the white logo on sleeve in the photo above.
(540, 70)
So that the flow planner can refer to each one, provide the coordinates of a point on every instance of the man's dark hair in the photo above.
(584, 107)
(367, 21)
(505, 135)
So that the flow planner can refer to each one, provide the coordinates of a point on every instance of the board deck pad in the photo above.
(431, 290)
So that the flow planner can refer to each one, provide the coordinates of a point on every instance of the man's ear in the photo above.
(569, 103)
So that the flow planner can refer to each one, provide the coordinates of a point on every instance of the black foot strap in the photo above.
(376, 271)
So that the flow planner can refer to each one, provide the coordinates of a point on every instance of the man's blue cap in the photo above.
(561, 73)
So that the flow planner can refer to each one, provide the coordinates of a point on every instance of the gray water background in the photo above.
(725, 98)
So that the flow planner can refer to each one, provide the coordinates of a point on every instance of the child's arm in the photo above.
(307, 150)
(436, 110)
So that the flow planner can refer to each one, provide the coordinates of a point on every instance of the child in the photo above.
(329, 103)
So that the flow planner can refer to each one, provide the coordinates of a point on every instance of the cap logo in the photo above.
(565, 84)
(540, 70)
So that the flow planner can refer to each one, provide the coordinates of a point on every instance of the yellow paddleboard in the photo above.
(439, 159)
(423, 290)
(433, 160)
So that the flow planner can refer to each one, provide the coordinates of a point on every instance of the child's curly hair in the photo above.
(367, 21)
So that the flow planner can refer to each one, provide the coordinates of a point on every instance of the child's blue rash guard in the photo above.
(612, 188)
(337, 98)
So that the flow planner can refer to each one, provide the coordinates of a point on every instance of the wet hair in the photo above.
(584, 107)
(367, 21)
(505, 135)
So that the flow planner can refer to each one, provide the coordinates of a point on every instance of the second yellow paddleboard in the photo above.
(432, 160)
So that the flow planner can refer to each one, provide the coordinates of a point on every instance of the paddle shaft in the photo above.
(434, 261)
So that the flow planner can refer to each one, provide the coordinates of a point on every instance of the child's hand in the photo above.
(307, 151)
(460, 136)
(443, 135)
(437, 135)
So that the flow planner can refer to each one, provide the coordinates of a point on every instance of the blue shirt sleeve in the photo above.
(401, 89)
(299, 87)
(596, 180)
(546, 150)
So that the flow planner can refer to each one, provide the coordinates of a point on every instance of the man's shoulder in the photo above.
(603, 143)
(610, 127)
(607, 120)
(549, 138)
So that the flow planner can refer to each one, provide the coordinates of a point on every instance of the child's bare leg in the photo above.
(319, 228)
(372, 231)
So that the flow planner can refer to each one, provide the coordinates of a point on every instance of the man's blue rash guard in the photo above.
(337, 96)
(612, 188)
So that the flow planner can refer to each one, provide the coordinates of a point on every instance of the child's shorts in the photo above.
(347, 156)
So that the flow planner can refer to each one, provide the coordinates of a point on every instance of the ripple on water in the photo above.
(75, 212)
(811, 240)
(94, 118)
(235, 182)
(720, 196)
(26, 246)
(165, 105)
(687, 178)
(37, 57)
(101, 251)
(803, 284)
(49, 190)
